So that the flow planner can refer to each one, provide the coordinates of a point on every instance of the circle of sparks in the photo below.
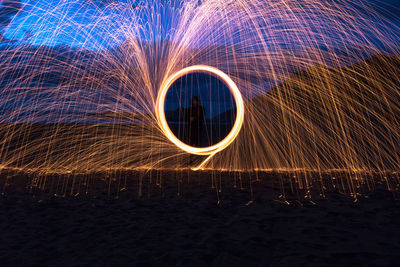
(160, 113)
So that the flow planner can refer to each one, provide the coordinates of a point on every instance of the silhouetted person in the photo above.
(195, 119)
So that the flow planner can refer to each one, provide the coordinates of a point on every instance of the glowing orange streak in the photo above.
(162, 121)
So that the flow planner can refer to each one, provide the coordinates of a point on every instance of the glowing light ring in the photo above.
(160, 113)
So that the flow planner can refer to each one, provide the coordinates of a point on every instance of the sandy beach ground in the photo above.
(183, 220)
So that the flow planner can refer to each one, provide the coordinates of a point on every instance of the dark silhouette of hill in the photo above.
(228, 116)
(347, 117)
(57, 65)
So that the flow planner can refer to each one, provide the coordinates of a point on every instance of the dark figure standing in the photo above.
(195, 119)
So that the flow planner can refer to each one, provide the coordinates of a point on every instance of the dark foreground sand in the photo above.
(182, 224)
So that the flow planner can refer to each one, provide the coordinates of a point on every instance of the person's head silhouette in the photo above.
(195, 101)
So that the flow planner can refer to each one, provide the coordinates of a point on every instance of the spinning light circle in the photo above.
(162, 121)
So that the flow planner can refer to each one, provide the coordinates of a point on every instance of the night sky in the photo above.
(55, 22)
(214, 95)
(70, 23)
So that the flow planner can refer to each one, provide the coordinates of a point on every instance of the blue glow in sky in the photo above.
(71, 23)
(96, 24)
(93, 24)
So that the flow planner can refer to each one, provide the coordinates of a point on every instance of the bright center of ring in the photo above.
(162, 121)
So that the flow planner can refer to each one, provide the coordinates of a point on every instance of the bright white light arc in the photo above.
(162, 121)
